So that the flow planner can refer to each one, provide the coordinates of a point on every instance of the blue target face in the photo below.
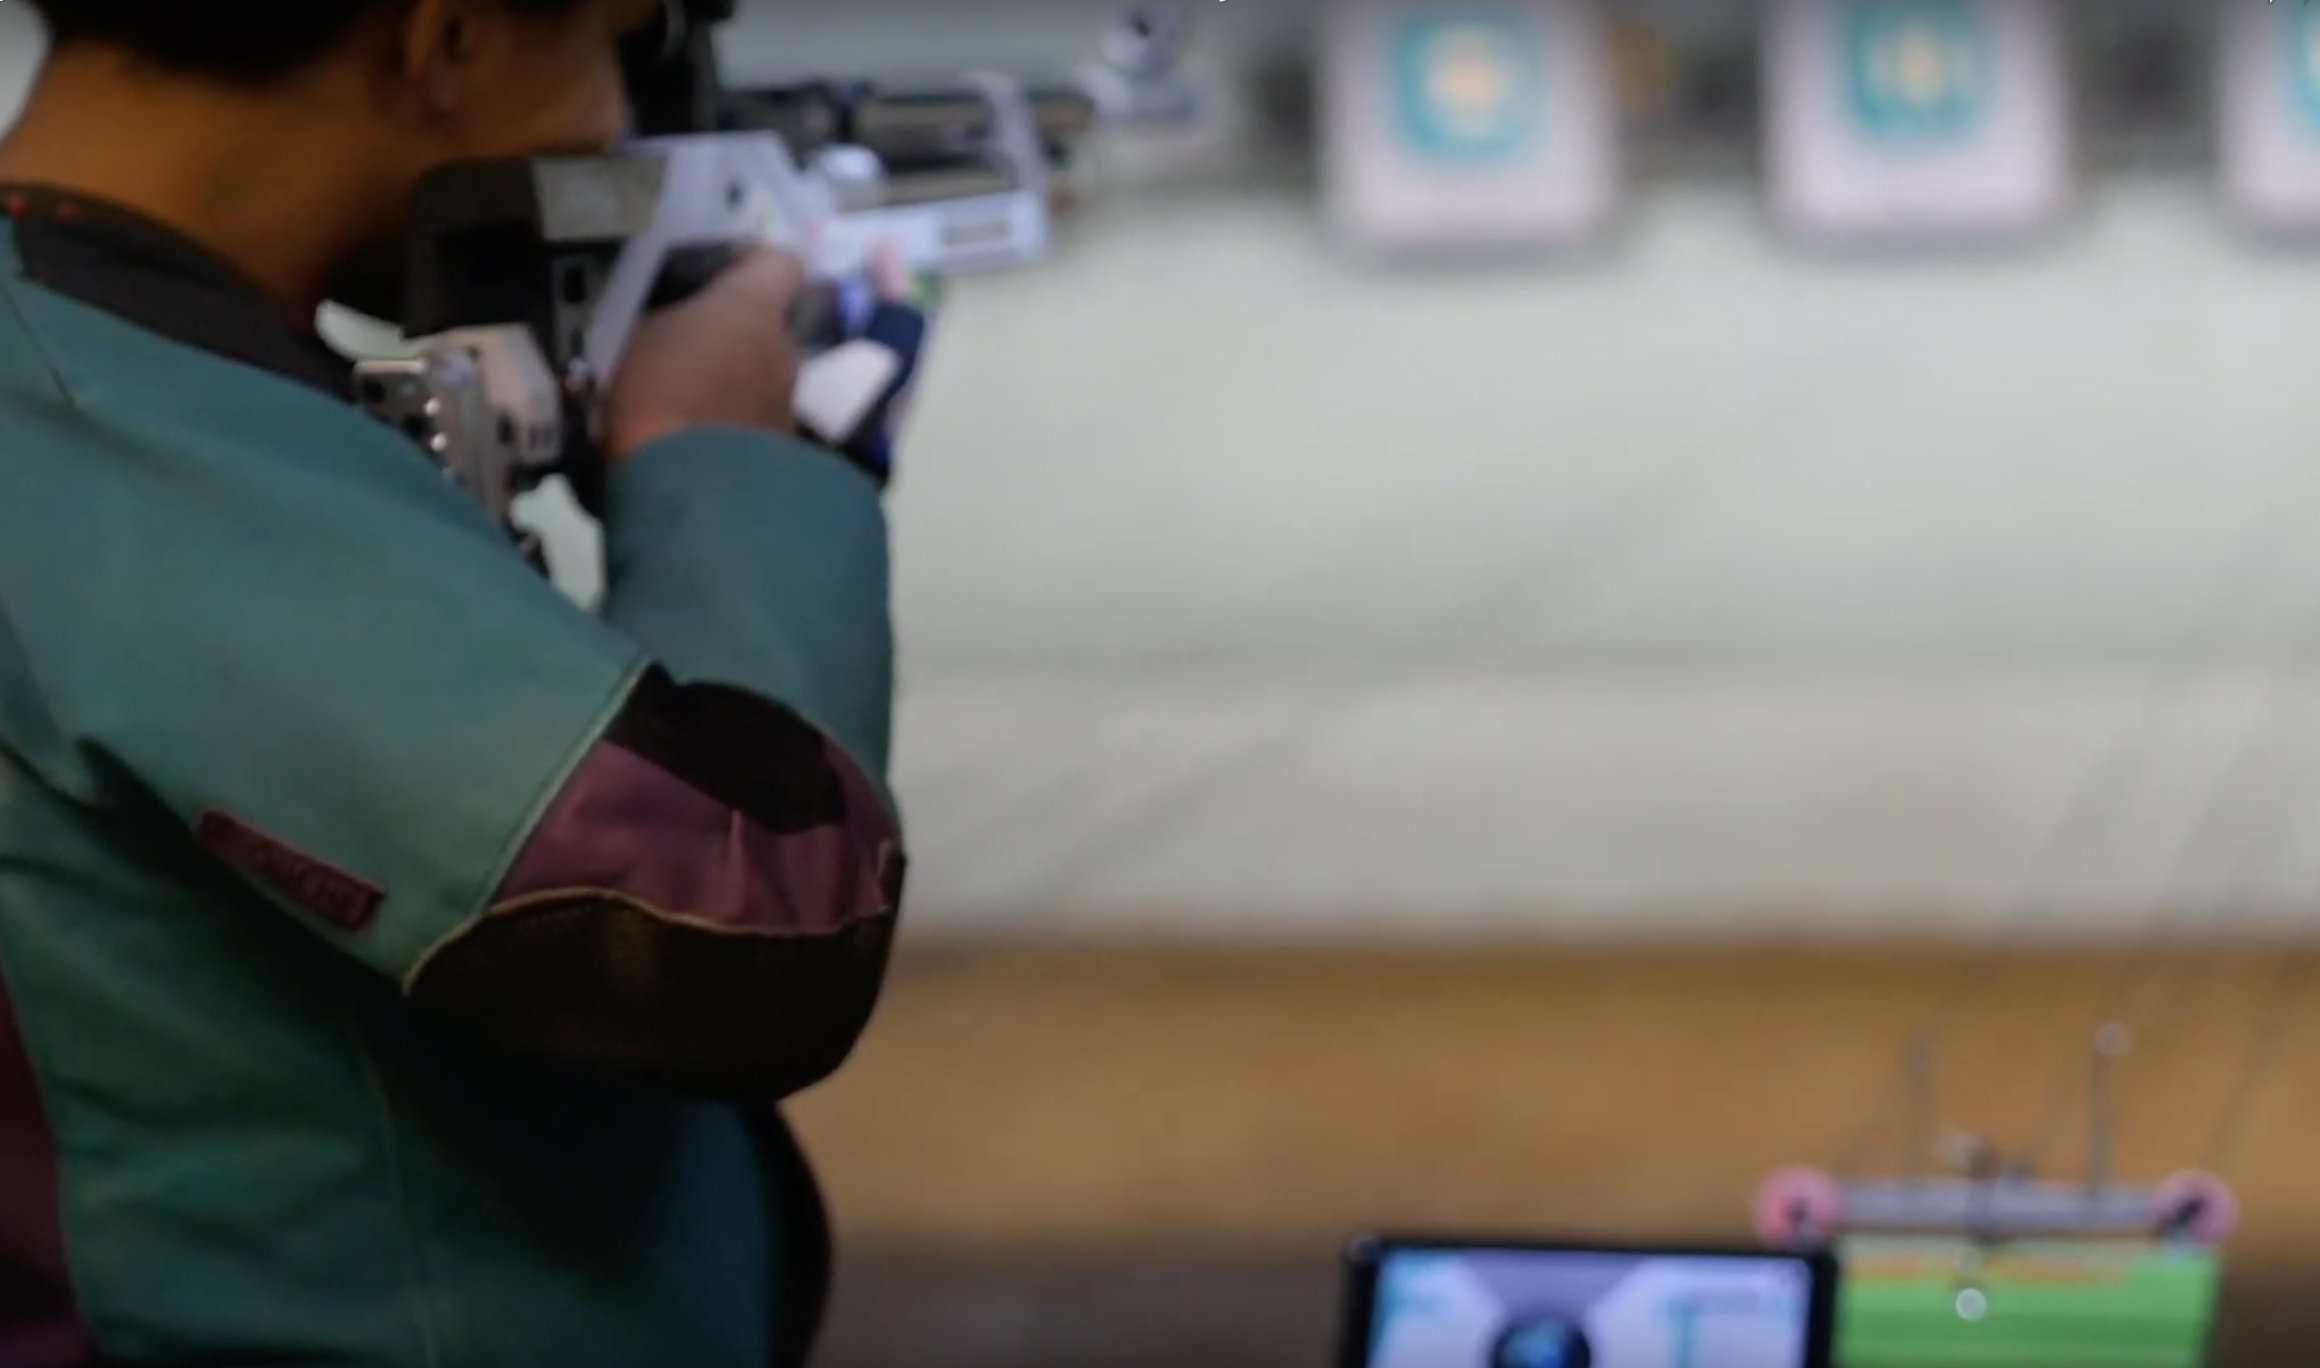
(1466, 83)
(2300, 46)
(1544, 1344)
(1916, 71)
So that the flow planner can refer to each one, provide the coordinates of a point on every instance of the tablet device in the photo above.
(1439, 1303)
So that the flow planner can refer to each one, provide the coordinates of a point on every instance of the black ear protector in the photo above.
(661, 39)
(670, 69)
(673, 28)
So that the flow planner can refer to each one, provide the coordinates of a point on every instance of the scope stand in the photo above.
(1991, 1199)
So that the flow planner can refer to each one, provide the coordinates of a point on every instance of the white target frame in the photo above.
(1548, 173)
(2268, 115)
(1987, 151)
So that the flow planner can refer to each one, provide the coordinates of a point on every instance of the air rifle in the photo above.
(526, 278)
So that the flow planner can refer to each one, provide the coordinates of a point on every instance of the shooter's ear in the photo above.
(440, 41)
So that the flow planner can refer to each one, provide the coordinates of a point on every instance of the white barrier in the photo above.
(1747, 806)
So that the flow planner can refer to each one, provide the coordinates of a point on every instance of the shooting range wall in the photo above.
(1696, 586)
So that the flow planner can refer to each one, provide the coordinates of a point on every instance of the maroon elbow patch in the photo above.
(630, 827)
(305, 881)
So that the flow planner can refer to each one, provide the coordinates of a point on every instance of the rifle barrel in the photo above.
(902, 124)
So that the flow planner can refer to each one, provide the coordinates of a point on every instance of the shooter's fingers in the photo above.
(890, 275)
(723, 358)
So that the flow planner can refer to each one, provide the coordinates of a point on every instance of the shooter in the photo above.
(398, 965)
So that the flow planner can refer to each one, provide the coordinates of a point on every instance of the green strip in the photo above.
(2064, 1304)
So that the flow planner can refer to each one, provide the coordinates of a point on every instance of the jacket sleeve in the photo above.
(730, 860)
(657, 841)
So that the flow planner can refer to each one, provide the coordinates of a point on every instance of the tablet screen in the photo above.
(1451, 1306)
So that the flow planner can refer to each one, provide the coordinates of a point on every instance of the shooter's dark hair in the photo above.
(245, 42)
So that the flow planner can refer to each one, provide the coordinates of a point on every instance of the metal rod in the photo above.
(2109, 1043)
(1919, 1161)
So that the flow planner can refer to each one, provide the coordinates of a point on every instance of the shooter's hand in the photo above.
(723, 358)
(894, 318)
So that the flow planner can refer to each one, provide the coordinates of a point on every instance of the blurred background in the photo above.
(1513, 730)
